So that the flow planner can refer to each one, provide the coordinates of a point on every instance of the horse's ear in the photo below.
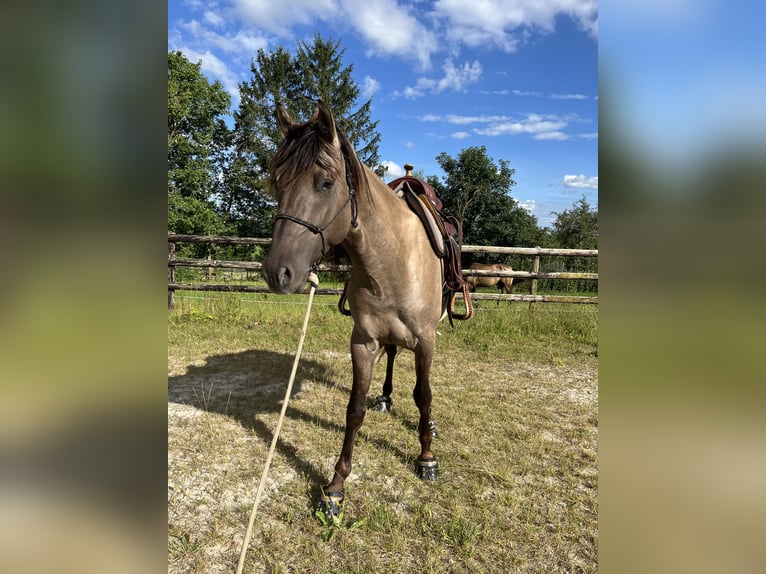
(324, 116)
(284, 121)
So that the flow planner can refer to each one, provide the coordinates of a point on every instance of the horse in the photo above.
(504, 284)
(327, 197)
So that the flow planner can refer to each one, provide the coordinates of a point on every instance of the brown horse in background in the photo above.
(504, 284)
(327, 197)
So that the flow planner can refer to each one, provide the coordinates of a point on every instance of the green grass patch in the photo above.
(515, 402)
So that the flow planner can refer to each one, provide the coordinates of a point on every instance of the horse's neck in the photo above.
(374, 244)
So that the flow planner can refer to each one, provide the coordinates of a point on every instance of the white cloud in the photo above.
(568, 96)
(527, 93)
(460, 135)
(454, 78)
(389, 28)
(369, 87)
(278, 17)
(580, 182)
(213, 18)
(503, 23)
(457, 78)
(552, 96)
(239, 43)
(535, 124)
(393, 169)
(529, 205)
(539, 126)
(462, 120)
(409, 145)
(215, 69)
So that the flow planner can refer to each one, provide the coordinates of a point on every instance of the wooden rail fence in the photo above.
(534, 275)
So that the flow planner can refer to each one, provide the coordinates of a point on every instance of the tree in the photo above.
(477, 192)
(197, 143)
(577, 228)
(196, 130)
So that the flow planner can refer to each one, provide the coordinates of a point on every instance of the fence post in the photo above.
(535, 269)
(171, 275)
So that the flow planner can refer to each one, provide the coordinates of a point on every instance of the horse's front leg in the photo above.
(363, 361)
(427, 467)
(383, 403)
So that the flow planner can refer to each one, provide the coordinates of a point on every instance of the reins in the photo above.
(314, 281)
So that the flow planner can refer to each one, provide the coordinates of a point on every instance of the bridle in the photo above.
(315, 229)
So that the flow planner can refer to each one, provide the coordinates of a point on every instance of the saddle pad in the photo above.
(430, 224)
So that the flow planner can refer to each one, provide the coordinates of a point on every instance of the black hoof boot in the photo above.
(383, 404)
(427, 468)
(330, 504)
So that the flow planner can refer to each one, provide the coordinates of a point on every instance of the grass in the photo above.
(515, 401)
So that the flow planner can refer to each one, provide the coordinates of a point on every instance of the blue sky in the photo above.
(517, 76)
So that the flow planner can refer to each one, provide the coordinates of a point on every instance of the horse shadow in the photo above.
(247, 384)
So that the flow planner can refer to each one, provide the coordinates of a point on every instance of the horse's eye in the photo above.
(327, 184)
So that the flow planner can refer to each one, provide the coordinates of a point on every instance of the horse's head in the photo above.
(315, 192)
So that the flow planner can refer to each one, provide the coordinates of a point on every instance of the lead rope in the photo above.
(314, 281)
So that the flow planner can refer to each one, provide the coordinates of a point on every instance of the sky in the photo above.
(519, 77)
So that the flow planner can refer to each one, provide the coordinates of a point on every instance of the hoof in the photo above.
(330, 504)
(383, 404)
(427, 469)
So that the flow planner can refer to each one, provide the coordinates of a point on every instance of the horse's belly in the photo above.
(388, 323)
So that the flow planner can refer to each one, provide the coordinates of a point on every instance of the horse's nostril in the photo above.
(285, 276)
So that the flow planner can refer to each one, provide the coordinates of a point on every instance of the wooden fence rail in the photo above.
(534, 275)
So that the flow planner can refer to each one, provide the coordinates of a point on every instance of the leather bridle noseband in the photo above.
(315, 229)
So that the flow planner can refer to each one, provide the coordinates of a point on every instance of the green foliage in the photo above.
(192, 216)
(476, 191)
(197, 142)
(576, 228)
(196, 131)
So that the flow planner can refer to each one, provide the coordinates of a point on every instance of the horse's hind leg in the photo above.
(427, 467)
(508, 283)
(383, 403)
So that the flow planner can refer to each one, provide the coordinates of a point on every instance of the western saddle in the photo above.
(445, 234)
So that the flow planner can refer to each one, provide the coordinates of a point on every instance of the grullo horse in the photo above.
(327, 197)
(504, 284)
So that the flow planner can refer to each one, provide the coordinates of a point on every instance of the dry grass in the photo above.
(515, 400)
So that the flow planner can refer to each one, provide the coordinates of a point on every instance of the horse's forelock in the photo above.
(303, 148)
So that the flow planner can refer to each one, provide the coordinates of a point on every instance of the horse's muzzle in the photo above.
(283, 279)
